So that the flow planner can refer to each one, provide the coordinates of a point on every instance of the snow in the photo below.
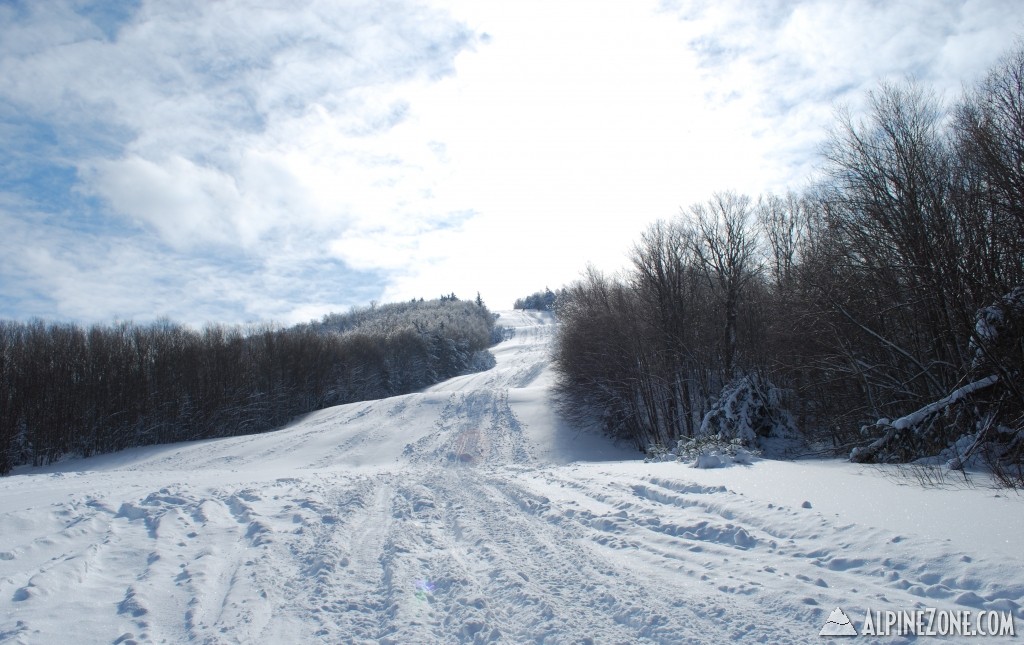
(468, 513)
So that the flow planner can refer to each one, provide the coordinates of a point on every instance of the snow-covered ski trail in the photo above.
(468, 513)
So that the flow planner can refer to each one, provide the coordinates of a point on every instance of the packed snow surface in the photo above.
(469, 514)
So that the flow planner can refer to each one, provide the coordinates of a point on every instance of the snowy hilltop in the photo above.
(469, 513)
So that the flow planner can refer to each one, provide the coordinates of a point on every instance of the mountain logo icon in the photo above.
(838, 624)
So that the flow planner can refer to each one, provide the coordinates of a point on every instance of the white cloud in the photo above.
(184, 203)
(230, 137)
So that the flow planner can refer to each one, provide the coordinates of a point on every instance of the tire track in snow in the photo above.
(474, 428)
(723, 542)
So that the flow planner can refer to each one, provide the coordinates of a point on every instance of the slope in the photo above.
(468, 514)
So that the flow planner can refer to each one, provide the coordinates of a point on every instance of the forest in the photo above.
(880, 310)
(74, 390)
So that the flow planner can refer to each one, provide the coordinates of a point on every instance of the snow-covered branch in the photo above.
(915, 422)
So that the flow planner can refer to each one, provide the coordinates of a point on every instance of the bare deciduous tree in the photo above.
(725, 244)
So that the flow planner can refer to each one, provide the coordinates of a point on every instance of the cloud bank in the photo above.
(241, 160)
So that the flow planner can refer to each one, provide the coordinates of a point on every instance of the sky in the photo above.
(239, 161)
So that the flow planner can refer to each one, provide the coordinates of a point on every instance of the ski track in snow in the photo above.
(467, 514)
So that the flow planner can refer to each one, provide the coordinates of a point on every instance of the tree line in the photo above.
(882, 306)
(73, 390)
(538, 300)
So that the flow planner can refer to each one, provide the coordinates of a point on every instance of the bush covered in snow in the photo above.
(998, 331)
(747, 414)
(714, 451)
(749, 411)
